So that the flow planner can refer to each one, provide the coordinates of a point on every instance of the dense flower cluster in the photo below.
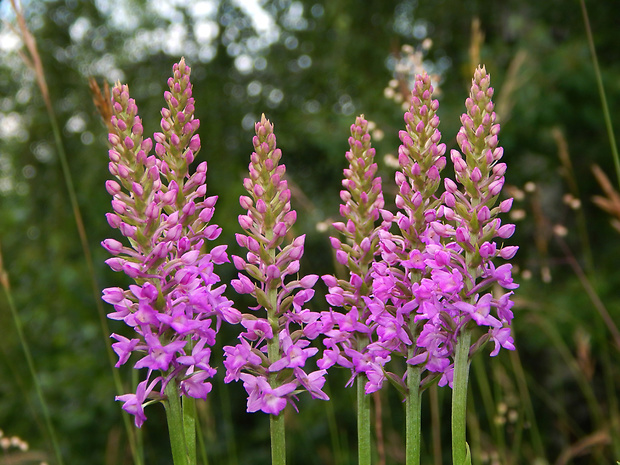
(175, 306)
(348, 334)
(474, 214)
(428, 286)
(399, 302)
(272, 353)
(417, 280)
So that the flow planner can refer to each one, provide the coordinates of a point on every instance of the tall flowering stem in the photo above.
(347, 333)
(273, 351)
(473, 211)
(175, 307)
(402, 298)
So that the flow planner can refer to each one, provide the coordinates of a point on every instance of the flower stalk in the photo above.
(459, 399)
(180, 444)
(272, 353)
(175, 307)
(403, 300)
(348, 334)
(474, 215)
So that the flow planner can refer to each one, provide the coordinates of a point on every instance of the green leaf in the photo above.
(468, 456)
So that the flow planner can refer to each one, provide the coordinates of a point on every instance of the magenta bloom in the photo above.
(175, 307)
(434, 277)
(275, 347)
(348, 331)
(412, 273)
(475, 218)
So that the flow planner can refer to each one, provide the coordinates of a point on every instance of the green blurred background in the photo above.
(311, 67)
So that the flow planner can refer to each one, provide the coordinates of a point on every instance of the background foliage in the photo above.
(311, 66)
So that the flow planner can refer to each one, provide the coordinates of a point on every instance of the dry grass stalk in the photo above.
(32, 60)
(583, 446)
(102, 101)
(609, 203)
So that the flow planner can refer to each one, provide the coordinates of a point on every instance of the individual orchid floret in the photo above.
(175, 307)
(362, 199)
(275, 346)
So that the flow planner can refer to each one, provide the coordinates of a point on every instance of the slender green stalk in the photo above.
(413, 413)
(278, 443)
(189, 427)
(459, 398)
(31, 367)
(201, 442)
(174, 416)
(435, 424)
(601, 90)
(363, 424)
(276, 422)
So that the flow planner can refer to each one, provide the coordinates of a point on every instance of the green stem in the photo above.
(363, 423)
(276, 422)
(174, 416)
(459, 398)
(201, 442)
(413, 414)
(278, 442)
(189, 427)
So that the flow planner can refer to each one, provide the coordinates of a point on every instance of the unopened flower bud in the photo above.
(245, 222)
(342, 257)
(506, 231)
(484, 214)
(496, 187)
(508, 252)
(113, 246)
(261, 206)
(505, 205)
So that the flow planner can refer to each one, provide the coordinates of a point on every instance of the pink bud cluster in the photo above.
(175, 306)
(348, 334)
(274, 348)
